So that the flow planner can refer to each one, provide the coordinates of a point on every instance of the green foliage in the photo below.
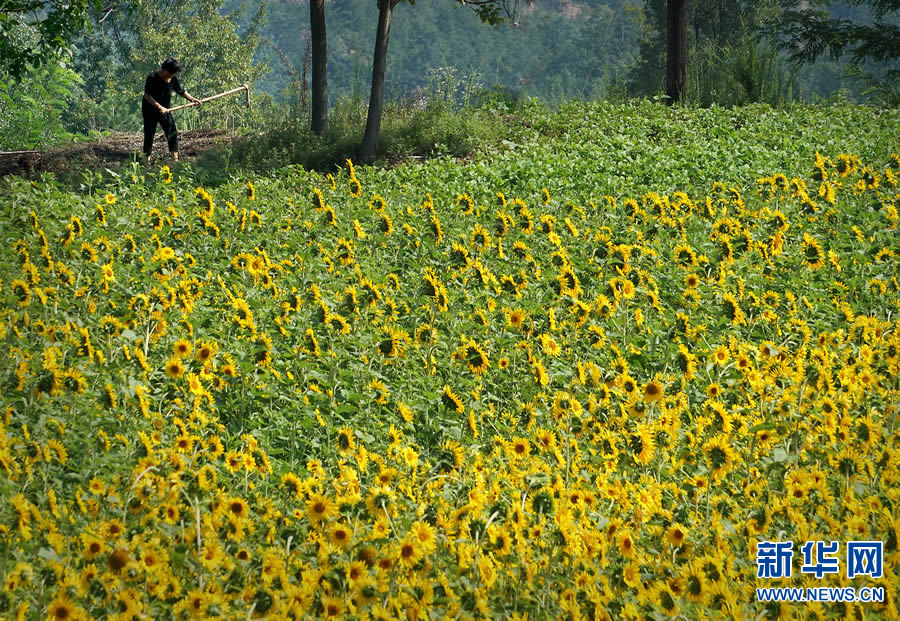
(871, 45)
(713, 25)
(731, 59)
(495, 12)
(443, 120)
(35, 32)
(811, 33)
(746, 71)
(32, 107)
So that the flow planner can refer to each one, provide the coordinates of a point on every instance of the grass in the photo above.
(410, 131)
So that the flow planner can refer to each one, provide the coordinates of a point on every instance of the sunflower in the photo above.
(642, 444)
(549, 346)
(382, 394)
(63, 608)
(515, 318)
(621, 288)
(720, 457)
(501, 540)
(695, 586)
(174, 368)
(465, 203)
(733, 310)
(653, 391)
(564, 404)
(434, 224)
(337, 322)
(93, 546)
(502, 223)
(182, 348)
(328, 216)
(442, 300)
(425, 534)
(714, 391)
(721, 355)
(237, 507)
(631, 575)
(726, 249)
(519, 448)
(480, 237)
(346, 439)
(812, 252)
(430, 282)
(206, 477)
(319, 508)
(118, 560)
(243, 316)
(340, 535)
(676, 535)
(451, 401)
(112, 529)
(743, 363)
(332, 607)
(205, 351)
(570, 285)
(684, 256)
(474, 356)
(627, 383)
(409, 551)
(604, 307)
(394, 345)
(195, 603)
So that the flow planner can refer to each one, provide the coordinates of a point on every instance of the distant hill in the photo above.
(559, 49)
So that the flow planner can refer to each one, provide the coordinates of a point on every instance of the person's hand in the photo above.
(196, 101)
(163, 110)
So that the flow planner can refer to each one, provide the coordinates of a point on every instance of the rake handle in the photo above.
(244, 87)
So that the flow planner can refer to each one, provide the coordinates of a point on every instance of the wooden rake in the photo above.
(243, 87)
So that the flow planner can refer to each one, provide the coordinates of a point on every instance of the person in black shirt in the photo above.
(155, 105)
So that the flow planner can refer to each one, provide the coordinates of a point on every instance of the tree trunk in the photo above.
(376, 99)
(676, 48)
(319, 123)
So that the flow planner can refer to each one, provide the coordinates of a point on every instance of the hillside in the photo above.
(555, 51)
(560, 49)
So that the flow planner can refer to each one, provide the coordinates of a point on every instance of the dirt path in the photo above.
(108, 152)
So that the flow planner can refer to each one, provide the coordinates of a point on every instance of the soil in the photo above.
(109, 151)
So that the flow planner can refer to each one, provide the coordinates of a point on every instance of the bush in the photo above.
(441, 123)
(31, 108)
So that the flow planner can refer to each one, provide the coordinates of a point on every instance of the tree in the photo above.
(809, 33)
(705, 30)
(319, 121)
(676, 48)
(873, 49)
(32, 106)
(379, 66)
(490, 11)
(495, 12)
(34, 32)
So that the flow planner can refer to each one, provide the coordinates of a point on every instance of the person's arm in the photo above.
(176, 86)
(191, 98)
(155, 104)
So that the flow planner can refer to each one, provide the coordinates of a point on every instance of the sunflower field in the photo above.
(579, 378)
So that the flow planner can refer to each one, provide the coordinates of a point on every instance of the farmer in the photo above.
(155, 105)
